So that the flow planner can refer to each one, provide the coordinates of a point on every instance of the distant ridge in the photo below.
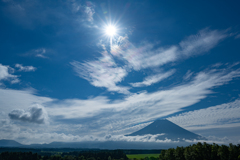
(169, 129)
(9, 143)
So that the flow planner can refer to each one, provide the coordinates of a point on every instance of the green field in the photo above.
(139, 156)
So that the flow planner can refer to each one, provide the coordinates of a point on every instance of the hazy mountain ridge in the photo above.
(9, 143)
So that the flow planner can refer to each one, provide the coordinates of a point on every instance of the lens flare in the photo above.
(110, 30)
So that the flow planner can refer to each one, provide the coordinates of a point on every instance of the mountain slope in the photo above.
(169, 131)
(9, 143)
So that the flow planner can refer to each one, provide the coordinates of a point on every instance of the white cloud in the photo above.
(34, 114)
(217, 65)
(144, 138)
(25, 68)
(202, 42)
(213, 139)
(40, 52)
(15, 80)
(146, 56)
(224, 115)
(87, 10)
(22, 99)
(188, 75)
(153, 79)
(6, 75)
(102, 73)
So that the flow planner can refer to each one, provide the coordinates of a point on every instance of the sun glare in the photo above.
(110, 30)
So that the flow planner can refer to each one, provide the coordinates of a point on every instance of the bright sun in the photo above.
(110, 30)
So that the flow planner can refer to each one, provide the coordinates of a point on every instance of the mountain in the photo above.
(9, 143)
(168, 130)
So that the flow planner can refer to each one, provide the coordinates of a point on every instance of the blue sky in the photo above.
(62, 78)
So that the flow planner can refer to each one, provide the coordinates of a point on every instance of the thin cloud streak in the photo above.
(25, 68)
(146, 56)
(153, 79)
(202, 42)
(22, 99)
(188, 75)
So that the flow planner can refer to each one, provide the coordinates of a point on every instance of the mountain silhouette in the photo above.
(9, 143)
(166, 129)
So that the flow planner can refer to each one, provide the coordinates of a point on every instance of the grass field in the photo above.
(139, 156)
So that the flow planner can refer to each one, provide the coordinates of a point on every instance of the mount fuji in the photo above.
(165, 129)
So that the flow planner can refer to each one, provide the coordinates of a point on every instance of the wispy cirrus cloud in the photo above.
(22, 99)
(25, 68)
(102, 73)
(87, 9)
(146, 56)
(39, 52)
(153, 79)
(188, 75)
(205, 40)
(220, 116)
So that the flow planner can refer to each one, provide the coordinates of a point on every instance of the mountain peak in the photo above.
(168, 130)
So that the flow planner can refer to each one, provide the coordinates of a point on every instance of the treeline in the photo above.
(142, 151)
(105, 155)
(203, 151)
(47, 151)
(53, 151)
